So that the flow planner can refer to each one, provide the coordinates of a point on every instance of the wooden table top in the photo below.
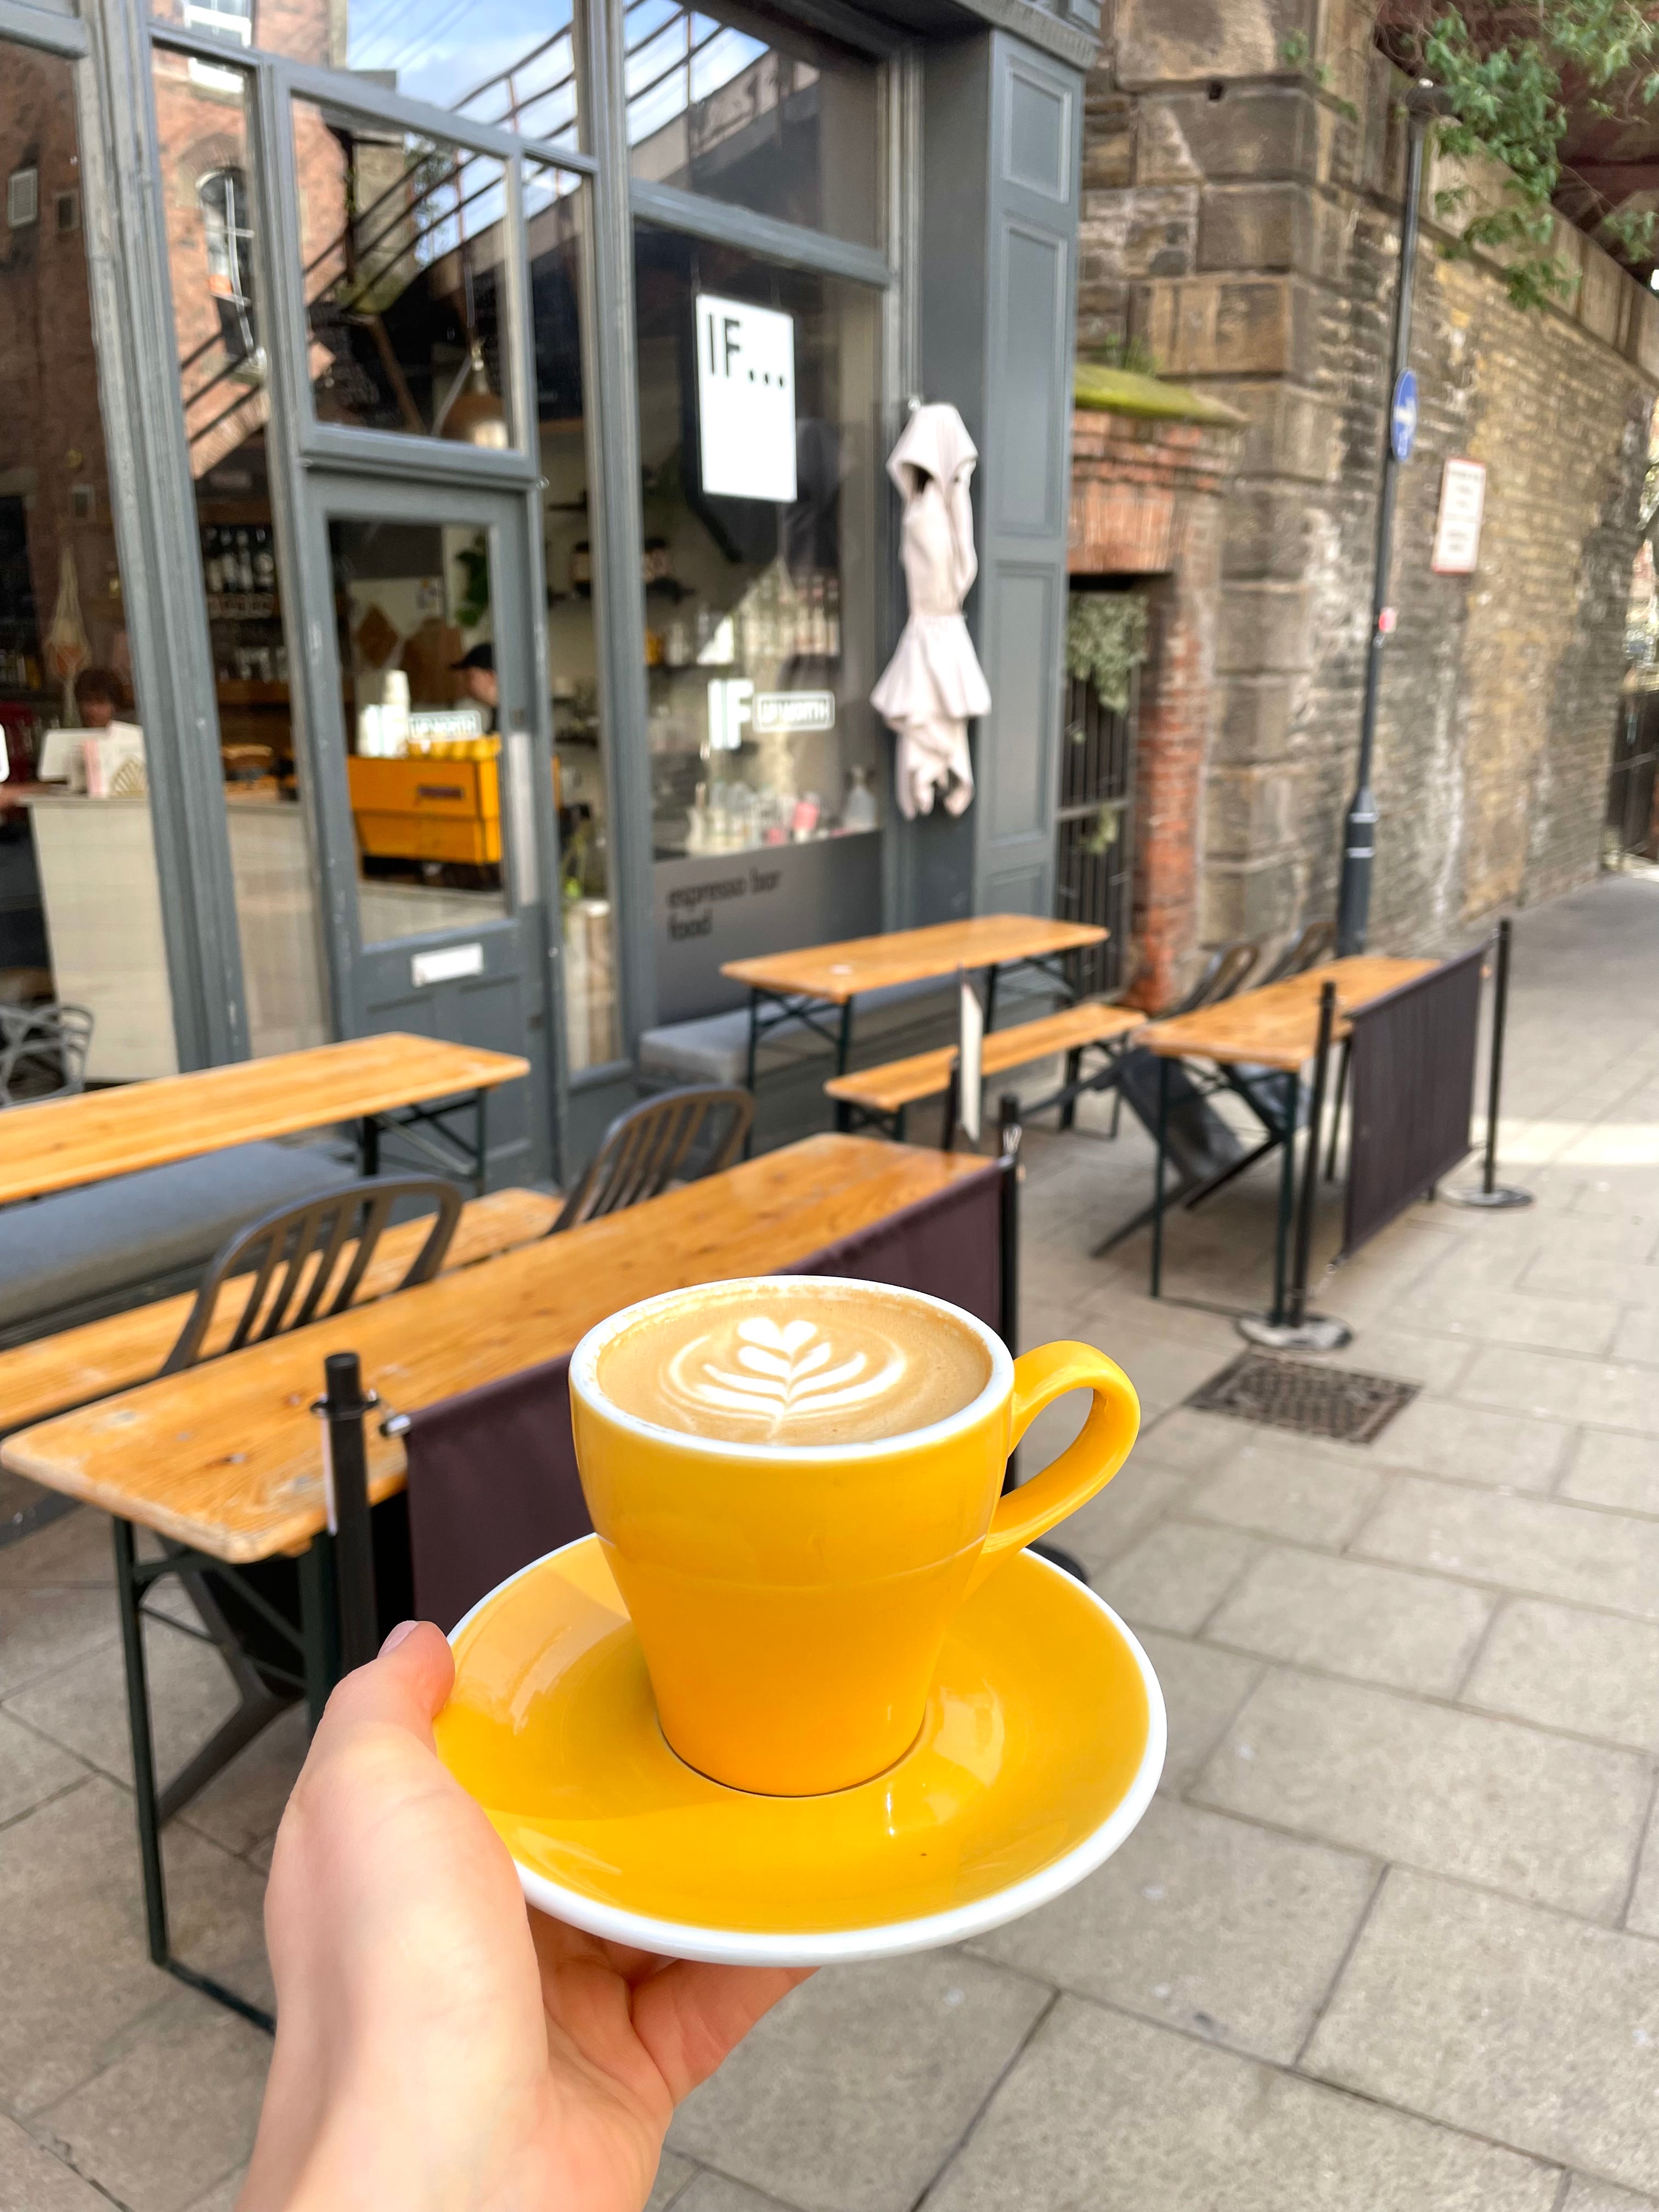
(1278, 1026)
(60, 1142)
(839, 972)
(227, 1457)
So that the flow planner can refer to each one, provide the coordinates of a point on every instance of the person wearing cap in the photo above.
(477, 674)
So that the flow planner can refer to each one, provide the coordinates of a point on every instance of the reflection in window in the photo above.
(401, 237)
(203, 128)
(228, 232)
(510, 64)
(555, 210)
(759, 610)
(763, 116)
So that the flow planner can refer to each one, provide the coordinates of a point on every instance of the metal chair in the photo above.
(1224, 973)
(42, 1052)
(673, 1138)
(1312, 944)
(302, 1263)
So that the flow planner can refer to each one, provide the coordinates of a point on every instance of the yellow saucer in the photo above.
(1042, 1745)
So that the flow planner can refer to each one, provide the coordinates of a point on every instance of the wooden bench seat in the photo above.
(882, 1094)
(79, 1364)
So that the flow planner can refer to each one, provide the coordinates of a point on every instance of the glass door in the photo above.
(432, 780)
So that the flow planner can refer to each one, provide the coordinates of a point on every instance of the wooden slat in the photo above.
(840, 972)
(925, 1075)
(225, 1456)
(1278, 1026)
(61, 1142)
(101, 1356)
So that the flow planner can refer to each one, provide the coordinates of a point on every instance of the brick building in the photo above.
(1240, 224)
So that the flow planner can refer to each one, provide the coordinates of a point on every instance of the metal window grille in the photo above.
(1094, 831)
(22, 198)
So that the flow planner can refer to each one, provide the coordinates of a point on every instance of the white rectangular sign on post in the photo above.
(1457, 526)
(745, 400)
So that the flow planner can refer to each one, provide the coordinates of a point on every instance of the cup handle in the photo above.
(1085, 1467)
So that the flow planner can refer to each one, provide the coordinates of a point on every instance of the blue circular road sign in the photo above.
(1403, 430)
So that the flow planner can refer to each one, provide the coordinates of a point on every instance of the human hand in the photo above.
(438, 2044)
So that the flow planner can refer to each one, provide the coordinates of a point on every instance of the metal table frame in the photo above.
(426, 1130)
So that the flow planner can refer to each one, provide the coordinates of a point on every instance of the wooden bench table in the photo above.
(1275, 1029)
(391, 1081)
(883, 1094)
(799, 985)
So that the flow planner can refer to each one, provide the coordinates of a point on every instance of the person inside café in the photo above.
(438, 2043)
(97, 697)
(477, 674)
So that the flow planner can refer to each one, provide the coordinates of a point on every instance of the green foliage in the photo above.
(1105, 643)
(1295, 52)
(1509, 71)
(474, 563)
(1132, 354)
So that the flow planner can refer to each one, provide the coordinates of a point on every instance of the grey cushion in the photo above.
(80, 1245)
(714, 1048)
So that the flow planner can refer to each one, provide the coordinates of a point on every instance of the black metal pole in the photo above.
(1500, 1002)
(1304, 1219)
(1353, 900)
(343, 1405)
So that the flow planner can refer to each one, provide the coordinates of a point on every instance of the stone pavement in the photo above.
(1387, 1939)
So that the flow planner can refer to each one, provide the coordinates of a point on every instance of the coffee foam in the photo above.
(795, 1363)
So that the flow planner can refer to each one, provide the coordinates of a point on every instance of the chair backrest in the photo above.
(322, 1247)
(42, 1052)
(675, 1138)
(1224, 973)
(1312, 945)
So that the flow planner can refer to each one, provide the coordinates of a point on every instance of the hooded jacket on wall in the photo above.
(933, 685)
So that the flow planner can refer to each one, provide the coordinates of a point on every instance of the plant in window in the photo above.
(1105, 643)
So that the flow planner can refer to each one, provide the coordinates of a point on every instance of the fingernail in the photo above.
(403, 1628)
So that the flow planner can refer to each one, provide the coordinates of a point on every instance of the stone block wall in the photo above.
(1239, 221)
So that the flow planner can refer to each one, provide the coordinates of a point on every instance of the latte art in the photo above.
(806, 1363)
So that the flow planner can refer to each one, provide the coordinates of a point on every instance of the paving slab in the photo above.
(1109, 2114)
(76, 1551)
(1349, 1617)
(674, 2175)
(1438, 1436)
(851, 2094)
(1205, 1923)
(33, 2180)
(73, 1962)
(43, 1630)
(1537, 1545)
(242, 1806)
(1191, 1441)
(1609, 1468)
(169, 2117)
(1637, 1337)
(714, 2192)
(83, 1706)
(1584, 2195)
(1562, 1389)
(1642, 1915)
(1137, 1497)
(32, 1770)
(1202, 1690)
(224, 2196)
(1593, 1673)
(1273, 1492)
(1528, 2027)
(1565, 1271)
(1451, 1792)
(1530, 1317)
(1176, 1575)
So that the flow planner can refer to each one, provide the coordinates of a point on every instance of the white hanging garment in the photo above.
(933, 685)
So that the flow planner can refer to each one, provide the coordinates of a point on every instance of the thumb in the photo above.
(405, 1687)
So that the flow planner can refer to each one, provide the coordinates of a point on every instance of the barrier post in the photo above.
(1492, 1194)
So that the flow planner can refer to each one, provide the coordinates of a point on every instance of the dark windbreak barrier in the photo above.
(1413, 1089)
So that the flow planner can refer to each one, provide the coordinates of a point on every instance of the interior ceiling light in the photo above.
(477, 417)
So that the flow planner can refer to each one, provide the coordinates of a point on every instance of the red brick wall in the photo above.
(1147, 501)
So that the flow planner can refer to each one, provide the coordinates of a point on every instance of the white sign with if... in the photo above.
(1458, 527)
(745, 400)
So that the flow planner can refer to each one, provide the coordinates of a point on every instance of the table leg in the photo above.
(754, 1039)
(369, 1145)
(480, 1141)
(1157, 1177)
(1286, 1193)
(844, 1043)
(990, 999)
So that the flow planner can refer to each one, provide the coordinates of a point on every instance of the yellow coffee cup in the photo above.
(791, 1598)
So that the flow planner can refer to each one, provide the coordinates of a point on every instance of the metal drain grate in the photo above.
(1311, 1401)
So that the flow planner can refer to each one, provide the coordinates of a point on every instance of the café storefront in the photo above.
(445, 551)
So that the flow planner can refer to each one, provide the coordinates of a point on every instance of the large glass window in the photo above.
(758, 423)
(80, 898)
(756, 111)
(206, 170)
(401, 241)
(513, 66)
(556, 208)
